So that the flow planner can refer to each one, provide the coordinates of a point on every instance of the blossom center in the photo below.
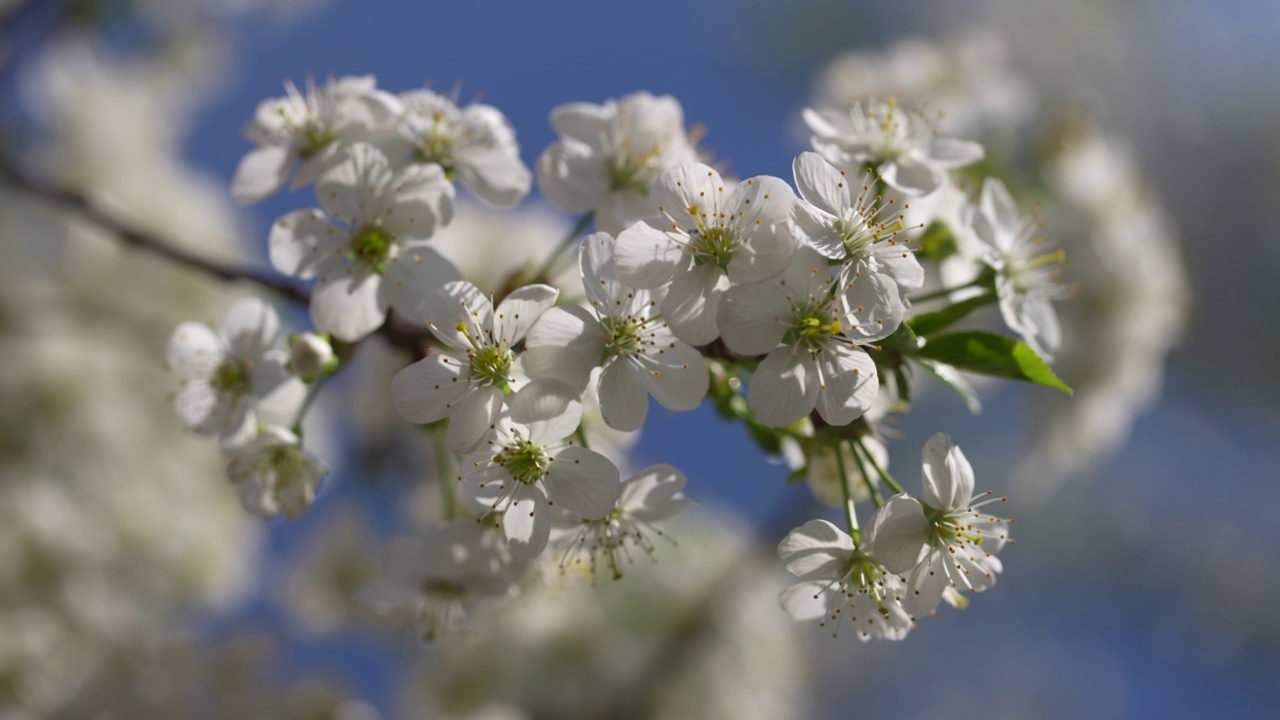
(623, 336)
(314, 137)
(526, 461)
(866, 575)
(490, 365)
(714, 245)
(813, 326)
(438, 148)
(372, 245)
(629, 172)
(231, 378)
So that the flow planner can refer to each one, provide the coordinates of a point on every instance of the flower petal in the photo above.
(897, 532)
(584, 482)
(304, 244)
(260, 173)
(623, 400)
(527, 522)
(753, 318)
(416, 274)
(417, 202)
(693, 301)
(496, 176)
(784, 387)
(551, 409)
(519, 310)
(194, 351)
(249, 328)
(646, 254)
(808, 601)
(429, 389)
(654, 494)
(815, 550)
(347, 308)
(471, 419)
(848, 384)
(948, 477)
(821, 184)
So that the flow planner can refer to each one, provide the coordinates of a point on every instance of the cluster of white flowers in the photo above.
(785, 306)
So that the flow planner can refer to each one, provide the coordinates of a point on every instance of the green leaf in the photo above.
(936, 242)
(954, 380)
(991, 354)
(903, 340)
(931, 322)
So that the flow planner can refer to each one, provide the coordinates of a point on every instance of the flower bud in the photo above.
(310, 356)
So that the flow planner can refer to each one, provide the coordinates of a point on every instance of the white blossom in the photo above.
(812, 326)
(436, 581)
(842, 581)
(941, 539)
(467, 378)
(230, 373)
(1027, 281)
(367, 247)
(846, 220)
(900, 143)
(623, 333)
(651, 496)
(275, 474)
(704, 238)
(309, 128)
(525, 466)
(609, 156)
(475, 145)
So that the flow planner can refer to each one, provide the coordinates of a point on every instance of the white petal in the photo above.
(948, 477)
(584, 482)
(815, 228)
(415, 274)
(693, 301)
(260, 173)
(519, 310)
(925, 585)
(584, 122)
(753, 318)
(900, 263)
(304, 244)
(784, 387)
(350, 312)
(551, 409)
(760, 201)
(688, 194)
(457, 303)
(873, 309)
(646, 256)
(249, 328)
(848, 384)
(623, 400)
(599, 278)
(765, 253)
(527, 522)
(417, 202)
(897, 532)
(912, 176)
(496, 176)
(953, 153)
(676, 376)
(571, 178)
(816, 549)
(349, 190)
(654, 494)
(808, 601)
(620, 209)
(279, 393)
(471, 418)
(429, 389)
(821, 184)
(194, 351)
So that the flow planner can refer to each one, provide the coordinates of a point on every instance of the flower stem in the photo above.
(884, 474)
(313, 390)
(874, 491)
(444, 472)
(850, 512)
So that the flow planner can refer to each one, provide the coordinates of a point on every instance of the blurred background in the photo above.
(132, 584)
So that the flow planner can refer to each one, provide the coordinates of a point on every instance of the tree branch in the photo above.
(397, 331)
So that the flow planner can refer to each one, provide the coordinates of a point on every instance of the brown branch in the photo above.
(397, 331)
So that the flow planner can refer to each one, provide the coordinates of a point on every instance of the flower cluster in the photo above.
(791, 303)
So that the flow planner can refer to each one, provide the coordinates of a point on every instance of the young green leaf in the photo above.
(931, 322)
(991, 354)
